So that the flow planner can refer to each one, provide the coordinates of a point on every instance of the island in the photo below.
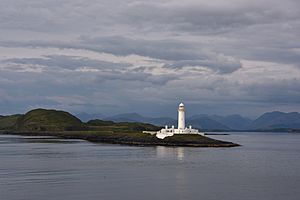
(44, 122)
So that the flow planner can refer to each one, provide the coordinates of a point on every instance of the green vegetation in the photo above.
(64, 125)
(8, 122)
(121, 126)
(48, 120)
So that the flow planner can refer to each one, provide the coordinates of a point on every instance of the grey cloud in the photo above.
(173, 53)
(50, 16)
(119, 45)
(178, 53)
(160, 49)
(210, 17)
(141, 78)
(201, 46)
(65, 62)
(219, 63)
(275, 91)
(101, 70)
(280, 55)
(202, 16)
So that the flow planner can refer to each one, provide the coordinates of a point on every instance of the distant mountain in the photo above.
(83, 116)
(162, 121)
(199, 121)
(277, 120)
(234, 122)
(126, 117)
(268, 121)
(206, 123)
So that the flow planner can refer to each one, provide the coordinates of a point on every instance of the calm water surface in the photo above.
(267, 166)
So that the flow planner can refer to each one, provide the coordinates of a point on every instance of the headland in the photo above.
(42, 122)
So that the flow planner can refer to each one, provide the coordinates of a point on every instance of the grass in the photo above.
(8, 122)
(48, 120)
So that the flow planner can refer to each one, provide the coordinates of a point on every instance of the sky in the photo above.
(122, 56)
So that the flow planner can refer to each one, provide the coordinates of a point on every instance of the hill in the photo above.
(40, 120)
(277, 120)
(48, 120)
(8, 122)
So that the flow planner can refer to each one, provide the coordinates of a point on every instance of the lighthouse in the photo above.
(181, 117)
(181, 129)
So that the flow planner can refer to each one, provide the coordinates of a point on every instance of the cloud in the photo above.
(65, 62)
(172, 53)
(84, 68)
(209, 17)
(218, 56)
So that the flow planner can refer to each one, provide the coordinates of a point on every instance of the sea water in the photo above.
(266, 166)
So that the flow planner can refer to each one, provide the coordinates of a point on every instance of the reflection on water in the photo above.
(265, 167)
(179, 172)
(180, 153)
(163, 152)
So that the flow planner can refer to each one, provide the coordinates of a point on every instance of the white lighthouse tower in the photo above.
(181, 117)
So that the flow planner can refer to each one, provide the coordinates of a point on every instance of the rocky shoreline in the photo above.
(137, 139)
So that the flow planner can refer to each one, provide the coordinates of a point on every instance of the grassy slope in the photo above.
(8, 122)
(48, 120)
